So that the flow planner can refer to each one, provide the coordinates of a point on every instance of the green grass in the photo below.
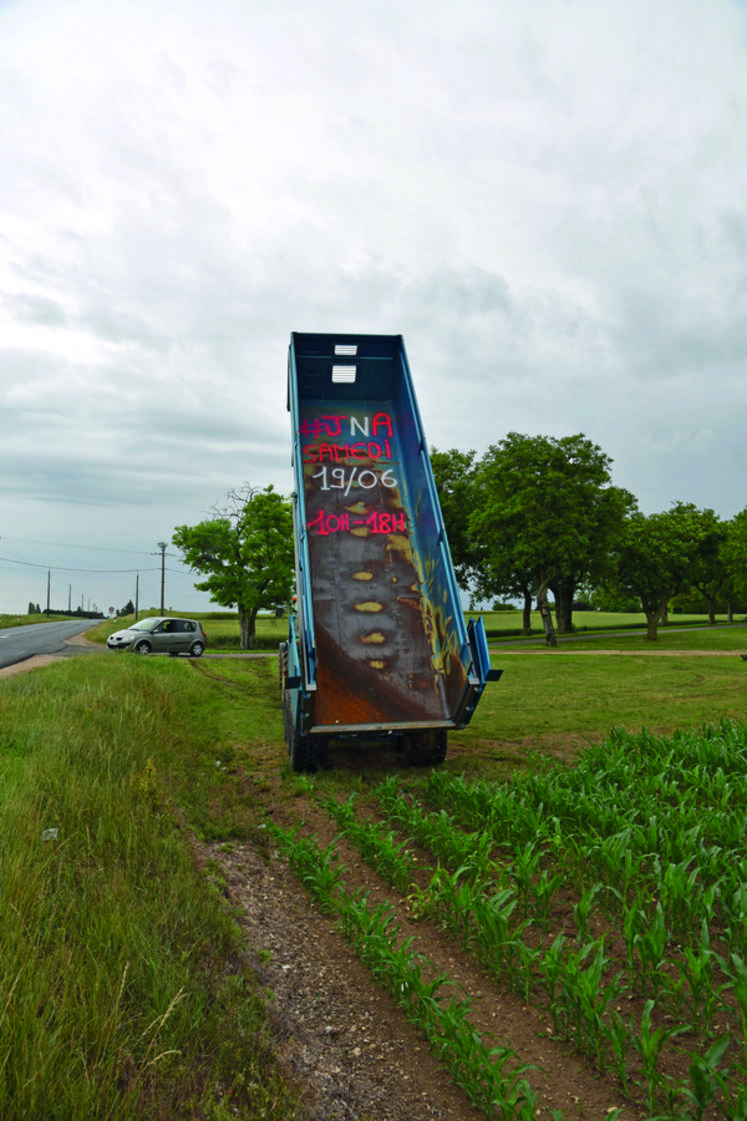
(508, 624)
(123, 989)
(722, 638)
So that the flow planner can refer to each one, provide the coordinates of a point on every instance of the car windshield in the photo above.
(144, 625)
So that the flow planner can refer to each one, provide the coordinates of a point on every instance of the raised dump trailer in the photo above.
(378, 645)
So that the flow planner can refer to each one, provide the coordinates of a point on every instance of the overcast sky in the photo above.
(547, 200)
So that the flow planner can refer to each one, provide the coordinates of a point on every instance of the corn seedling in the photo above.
(649, 1042)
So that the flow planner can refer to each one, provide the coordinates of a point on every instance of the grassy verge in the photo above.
(124, 992)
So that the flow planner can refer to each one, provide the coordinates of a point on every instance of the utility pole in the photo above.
(49, 588)
(137, 594)
(162, 547)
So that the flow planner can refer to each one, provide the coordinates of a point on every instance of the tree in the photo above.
(734, 559)
(546, 512)
(655, 559)
(708, 534)
(454, 472)
(128, 609)
(246, 553)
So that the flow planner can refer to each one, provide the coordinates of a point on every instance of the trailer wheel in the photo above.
(298, 751)
(287, 718)
(307, 754)
(425, 749)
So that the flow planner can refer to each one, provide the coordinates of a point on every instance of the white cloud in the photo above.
(546, 200)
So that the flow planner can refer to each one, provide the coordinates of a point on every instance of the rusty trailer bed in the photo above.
(379, 643)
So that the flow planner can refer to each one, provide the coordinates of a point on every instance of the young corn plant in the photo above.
(701, 996)
(706, 1082)
(593, 997)
(619, 1038)
(650, 945)
(736, 970)
(582, 910)
(550, 977)
(649, 1042)
(498, 937)
(318, 869)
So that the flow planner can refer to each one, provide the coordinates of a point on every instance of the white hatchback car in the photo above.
(158, 635)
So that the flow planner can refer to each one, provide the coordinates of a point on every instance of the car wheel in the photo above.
(198, 649)
(142, 648)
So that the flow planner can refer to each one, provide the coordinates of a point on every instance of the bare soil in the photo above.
(36, 662)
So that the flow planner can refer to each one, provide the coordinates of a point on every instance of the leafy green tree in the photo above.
(245, 552)
(547, 513)
(734, 559)
(454, 472)
(655, 559)
(520, 585)
(707, 571)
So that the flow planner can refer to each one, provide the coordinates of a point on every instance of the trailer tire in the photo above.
(287, 718)
(425, 749)
(298, 751)
(307, 754)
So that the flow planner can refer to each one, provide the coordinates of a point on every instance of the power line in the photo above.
(90, 571)
(77, 545)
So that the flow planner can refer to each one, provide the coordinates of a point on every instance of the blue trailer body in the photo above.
(379, 643)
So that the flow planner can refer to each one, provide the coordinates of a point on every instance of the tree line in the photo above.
(536, 516)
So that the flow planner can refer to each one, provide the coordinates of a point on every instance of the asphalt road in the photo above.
(19, 643)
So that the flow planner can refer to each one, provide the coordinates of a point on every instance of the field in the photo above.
(559, 913)
(222, 628)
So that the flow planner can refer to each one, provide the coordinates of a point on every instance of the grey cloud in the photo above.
(37, 310)
(106, 321)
